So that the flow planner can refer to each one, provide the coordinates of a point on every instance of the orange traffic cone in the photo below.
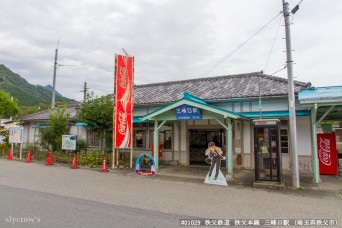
(74, 162)
(104, 165)
(9, 156)
(29, 158)
(49, 159)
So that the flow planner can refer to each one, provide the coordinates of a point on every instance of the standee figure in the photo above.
(215, 154)
(145, 163)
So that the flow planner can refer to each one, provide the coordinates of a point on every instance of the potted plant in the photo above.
(327, 127)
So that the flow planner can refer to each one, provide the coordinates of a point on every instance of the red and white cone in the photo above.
(29, 157)
(49, 159)
(9, 156)
(104, 165)
(74, 162)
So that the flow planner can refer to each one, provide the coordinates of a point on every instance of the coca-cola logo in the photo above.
(123, 77)
(324, 151)
(122, 123)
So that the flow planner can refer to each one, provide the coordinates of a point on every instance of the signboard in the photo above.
(123, 102)
(188, 112)
(68, 142)
(16, 135)
(327, 154)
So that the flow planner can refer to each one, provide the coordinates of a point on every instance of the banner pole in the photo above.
(132, 102)
(114, 125)
(117, 157)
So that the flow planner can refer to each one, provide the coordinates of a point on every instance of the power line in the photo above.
(240, 46)
(275, 37)
(279, 70)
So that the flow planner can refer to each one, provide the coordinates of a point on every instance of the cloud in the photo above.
(170, 40)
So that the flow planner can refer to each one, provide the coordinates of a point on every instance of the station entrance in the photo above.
(198, 143)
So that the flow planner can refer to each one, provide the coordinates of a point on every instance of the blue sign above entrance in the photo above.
(187, 112)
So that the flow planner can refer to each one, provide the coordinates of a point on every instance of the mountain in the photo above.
(24, 92)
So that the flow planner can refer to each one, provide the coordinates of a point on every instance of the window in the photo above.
(284, 141)
(140, 139)
(165, 138)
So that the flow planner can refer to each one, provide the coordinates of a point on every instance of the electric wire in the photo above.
(279, 70)
(275, 37)
(241, 45)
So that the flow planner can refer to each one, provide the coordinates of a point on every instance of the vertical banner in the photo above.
(327, 154)
(123, 101)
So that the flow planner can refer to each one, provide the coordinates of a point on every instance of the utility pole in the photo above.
(55, 66)
(54, 80)
(292, 101)
(85, 89)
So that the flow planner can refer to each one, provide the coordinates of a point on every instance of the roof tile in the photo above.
(215, 88)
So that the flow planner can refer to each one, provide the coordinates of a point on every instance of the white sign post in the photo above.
(16, 136)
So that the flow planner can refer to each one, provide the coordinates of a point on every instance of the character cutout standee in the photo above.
(145, 165)
(214, 176)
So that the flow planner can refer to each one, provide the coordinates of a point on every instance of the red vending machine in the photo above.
(327, 154)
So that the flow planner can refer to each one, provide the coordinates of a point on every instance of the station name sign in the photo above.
(188, 112)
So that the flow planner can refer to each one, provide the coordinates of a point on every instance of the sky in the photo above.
(169, 39)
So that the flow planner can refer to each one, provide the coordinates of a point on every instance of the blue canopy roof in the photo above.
(320, 93)
(81, 124)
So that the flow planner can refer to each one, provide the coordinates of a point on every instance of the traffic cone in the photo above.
(9, 156)
(29, 158)
(104, 165)
(49, 159)
(74, 162)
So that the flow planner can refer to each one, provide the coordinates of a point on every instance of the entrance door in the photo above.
(198, 143)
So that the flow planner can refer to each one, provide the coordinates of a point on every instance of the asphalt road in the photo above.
(63, 197)
(26, 208)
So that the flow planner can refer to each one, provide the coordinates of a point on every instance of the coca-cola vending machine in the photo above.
(327, 154)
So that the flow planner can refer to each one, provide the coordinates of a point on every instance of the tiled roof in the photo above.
(45, 115)
(215, 88)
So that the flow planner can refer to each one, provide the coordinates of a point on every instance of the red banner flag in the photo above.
(123, 101)
(327, 154)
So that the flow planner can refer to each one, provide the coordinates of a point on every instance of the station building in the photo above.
(227, 106)
(184, 116)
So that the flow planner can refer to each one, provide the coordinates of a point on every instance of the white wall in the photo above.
(304, 146)
(184, 145)
(247, 139)
(237, 144)
(80, 131)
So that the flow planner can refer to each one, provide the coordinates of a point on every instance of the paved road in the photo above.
(115, 191)
(26, 208)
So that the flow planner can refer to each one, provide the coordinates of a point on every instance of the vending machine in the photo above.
(267, 154)
(327, 153)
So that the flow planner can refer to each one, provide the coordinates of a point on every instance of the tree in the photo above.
(8, 107)
(98, 113)
(57, 126)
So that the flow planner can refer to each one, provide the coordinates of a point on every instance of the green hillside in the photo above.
(24, 92)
